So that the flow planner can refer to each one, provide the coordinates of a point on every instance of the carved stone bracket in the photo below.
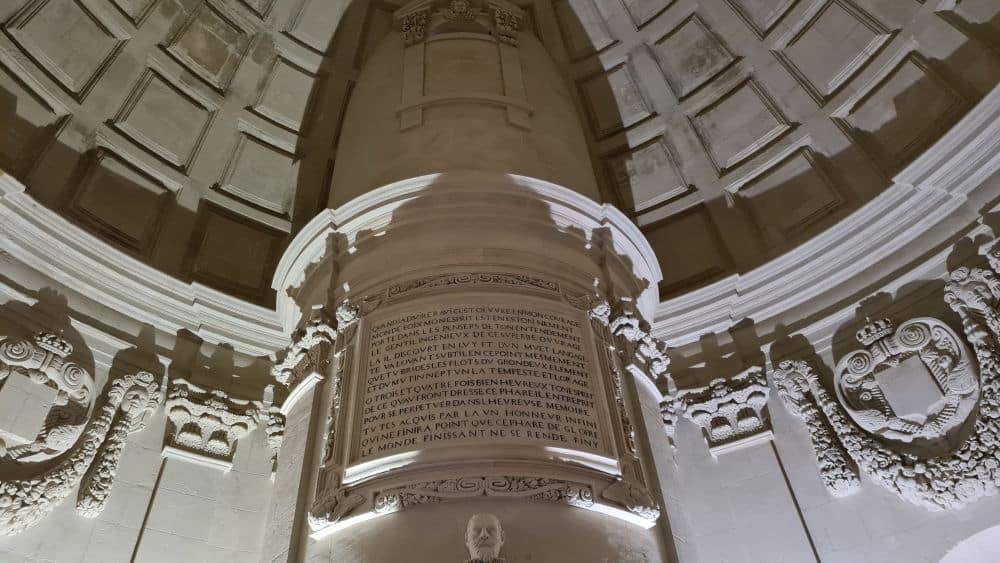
(309, 352)
(531, 488)
(501, 18)
(642, 353)
(635, 498)
(731, 412)
(204, 425)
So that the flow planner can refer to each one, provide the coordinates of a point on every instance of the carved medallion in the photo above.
(915, 387)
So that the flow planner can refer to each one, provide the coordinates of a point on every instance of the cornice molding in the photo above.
(49, 243)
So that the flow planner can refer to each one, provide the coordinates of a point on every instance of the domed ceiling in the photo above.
(200, 135)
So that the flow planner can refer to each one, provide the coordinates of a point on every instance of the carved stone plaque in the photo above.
(475, 373)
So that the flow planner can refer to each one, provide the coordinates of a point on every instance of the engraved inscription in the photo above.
(492, 374)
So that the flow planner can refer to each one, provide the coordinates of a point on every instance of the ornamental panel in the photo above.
(691, 56)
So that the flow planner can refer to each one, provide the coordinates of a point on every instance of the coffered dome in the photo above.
(199, 137)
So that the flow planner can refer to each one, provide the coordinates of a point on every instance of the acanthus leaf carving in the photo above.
(730, 410)
(207, 422)
(309, 352)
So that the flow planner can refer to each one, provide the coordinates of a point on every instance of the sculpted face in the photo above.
(484, 537)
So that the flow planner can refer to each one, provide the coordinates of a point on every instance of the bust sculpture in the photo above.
(484, 538)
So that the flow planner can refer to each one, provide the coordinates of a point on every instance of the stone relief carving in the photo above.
(506, 21)
(308, 353)
(531, 488)
(274, 425)
(43, 360)
(24, 502)
(413, 26)
(484, 538)
(972, 470)
(636, 499)
(644, 351)
(839, 474)
(460, 10)
(728, 410)
(332, 501)
(207, 422)
(140, 400)
(937, 393)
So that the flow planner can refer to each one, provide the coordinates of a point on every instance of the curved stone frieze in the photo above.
(43, 360)
(914, 387)
(25, 502)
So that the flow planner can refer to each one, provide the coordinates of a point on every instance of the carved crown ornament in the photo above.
(968, 471)
(421, 18)
(90, 461)
(204, 425)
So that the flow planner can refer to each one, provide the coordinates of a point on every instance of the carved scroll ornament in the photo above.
(923, 353)
(727, 410)
(43, 360)
(207, 422)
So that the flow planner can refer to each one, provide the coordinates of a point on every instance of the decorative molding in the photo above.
(33, 234)
(309, 353)
(731, 412)
(838, 471)
(531, 488)
(205, 424)
(26, 501)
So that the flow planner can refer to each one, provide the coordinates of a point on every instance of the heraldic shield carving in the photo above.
(914, 387)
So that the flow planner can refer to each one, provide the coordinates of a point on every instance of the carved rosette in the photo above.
(25, 502)
(43, 360)
(207, 423)
(413, 26)
(530, 488)
(728, 411)
(922, 350)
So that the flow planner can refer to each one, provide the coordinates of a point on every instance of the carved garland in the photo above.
(25, 502)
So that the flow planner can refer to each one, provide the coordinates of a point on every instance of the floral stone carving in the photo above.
(532, 488)
(839, 474)
(139, 401)
(729, 411)
(206, 424)
(309, 352)
(25, 502)
(43, 361)
(914, 387)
